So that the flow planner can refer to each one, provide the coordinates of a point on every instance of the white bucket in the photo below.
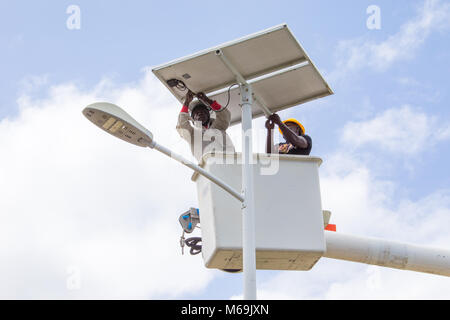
(289, 226)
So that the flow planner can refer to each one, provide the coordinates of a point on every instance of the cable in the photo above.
(193, 244)
(229, 96)
(181, 86)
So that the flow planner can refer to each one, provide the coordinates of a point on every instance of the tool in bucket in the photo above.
(189, 221)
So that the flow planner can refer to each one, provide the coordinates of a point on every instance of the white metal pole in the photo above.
(387, 253)
(196, 168)
(241, 80)
(248, 214)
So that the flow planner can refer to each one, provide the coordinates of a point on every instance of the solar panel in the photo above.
(281, 73)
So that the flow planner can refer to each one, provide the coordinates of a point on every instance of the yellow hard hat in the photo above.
(293, 121)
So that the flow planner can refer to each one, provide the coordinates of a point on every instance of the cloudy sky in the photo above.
(83, 215)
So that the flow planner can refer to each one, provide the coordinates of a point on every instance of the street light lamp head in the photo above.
(116, 121)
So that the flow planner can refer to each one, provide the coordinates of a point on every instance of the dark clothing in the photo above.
(287, 148)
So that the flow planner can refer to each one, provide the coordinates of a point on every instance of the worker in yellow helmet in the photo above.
(297, 142)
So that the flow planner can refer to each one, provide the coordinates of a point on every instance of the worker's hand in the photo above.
(189, 97)
(275, 118)
(269, 124)
(202, 96)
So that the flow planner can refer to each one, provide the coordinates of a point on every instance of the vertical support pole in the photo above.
(248, 213)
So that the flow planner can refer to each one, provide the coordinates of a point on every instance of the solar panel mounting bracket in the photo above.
(242, 81)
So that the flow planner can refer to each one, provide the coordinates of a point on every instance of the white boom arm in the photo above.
(387, 253)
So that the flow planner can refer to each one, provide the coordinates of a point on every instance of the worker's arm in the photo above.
(184, 127)
(290, 136)
(222, 121)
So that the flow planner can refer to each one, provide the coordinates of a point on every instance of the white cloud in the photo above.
(356, 54)
(408, 81)
(443, 133)
(363, 205)
(33, 82)
(403, 131)
(72, 196)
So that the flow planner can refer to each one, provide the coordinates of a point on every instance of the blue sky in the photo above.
(385, 130)
(119, 40)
